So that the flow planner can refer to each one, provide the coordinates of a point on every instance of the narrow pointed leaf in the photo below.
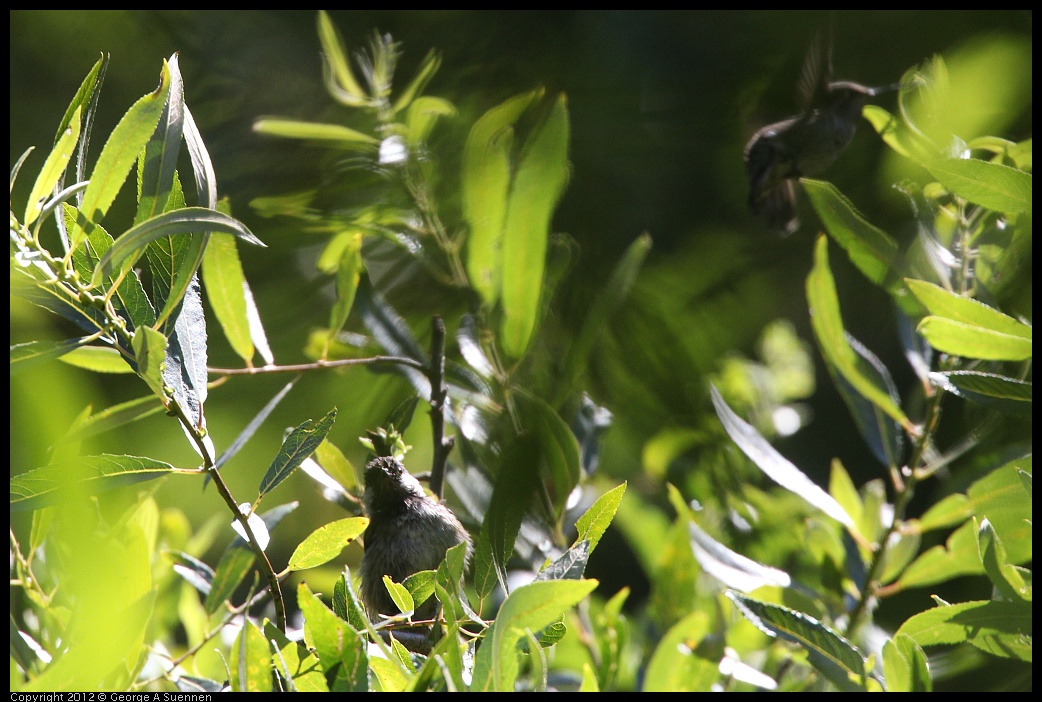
(336, 134)
(596, 520)
(348, 273)
(114, 417)
(428, 67)
(972, 341)
(195, 572)
(485, 187)
(990, 185)
(150, 355)
(733, 569)
(1004, 394)
(832, 338)
(336, 55)
(53, 169)
(27, 355)
(871, 249)
(679, 662)
(1006, 578)
(943, 303)
(46, 486)
(777, 467)
(99, 359)
(831, 654)
(188, 220)
(224, 280)
(118, 156)
(539, 182)
(300, 444)
(160, 153)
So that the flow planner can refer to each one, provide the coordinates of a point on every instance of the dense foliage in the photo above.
(447, 276)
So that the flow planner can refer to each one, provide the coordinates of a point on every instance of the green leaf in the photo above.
(85, 475)
(150, 355)
(27, 355)
(559, 450)
(336, 465)
(400, 596)
(325, 543)
(530, 607)
(972, 341)
(251, 661)
(842, 489)
(423, 112)
(732, 569)
(335, 134)
(113, 417)
(200, 220)
(1000, 628)
(333, 640)
(871, 249)
(348, 274)
(1007, 395)
(428, 67)
(542, 173)
(596, 520)
(959, 556)
(235, 563)
(420, 585)
(831, 654)
(905, 666)
(485, 188)
(942, 303)
(773, 464)
(682, 662)
(224, 280)
(990, 185)
(300, 444)
(118, 156)
(832, 338)
(299, 666)
(336, 55)
(100, 359)
(158, 161)
(1006, 577)
(53, 168)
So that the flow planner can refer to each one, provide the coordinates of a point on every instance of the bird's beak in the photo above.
(882, 90)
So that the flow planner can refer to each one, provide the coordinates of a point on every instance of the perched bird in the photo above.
(779, 154)
(408, 532)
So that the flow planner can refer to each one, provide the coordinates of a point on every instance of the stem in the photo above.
(226, 495)
(321, 363)
(442, 444)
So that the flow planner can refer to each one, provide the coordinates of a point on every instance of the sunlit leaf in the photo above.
(530, 607)
(224, 280)
(158, 161)
(833, 341)
(299, 666)
(1004, 394)
(905, 666)
(873, 251)
(118, 156)
(596, 520)
(250, 661)
(99, 359)
(680, 662)
(53, 168)
(1006, 578)
(335, 134)
(989, 185)
(831, 654)
(539, 182)
(87, 474)
(199, 220)
(972, 341)
(773, 464)
(485, 188)
(325, 543)
(1000, 628)
(300, 444)
(733, 569)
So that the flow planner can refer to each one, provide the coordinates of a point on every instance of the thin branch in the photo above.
(436, 373)
(319, 364)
